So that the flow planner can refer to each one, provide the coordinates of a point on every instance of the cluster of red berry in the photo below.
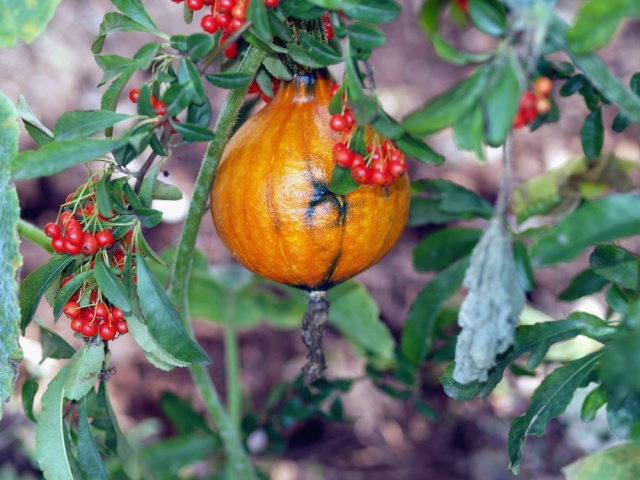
(99, 318)
(227, 15)
(69, 237)
(534, 102)
(159, 107)
(328, 27)
(384, 161)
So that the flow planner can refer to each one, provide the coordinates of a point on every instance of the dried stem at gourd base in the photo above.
(313, 324)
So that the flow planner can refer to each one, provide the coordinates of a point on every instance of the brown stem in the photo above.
(313, 324)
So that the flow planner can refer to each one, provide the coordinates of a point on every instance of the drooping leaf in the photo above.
(36, 130)
(24, 22)
(592, 403)
(163, 320)
(36, 283)
(54, 346)
(89, 459)
(549, 400)
(10, 311)
(615, 216)
(115, 22)
(354, 313)
(83, 370)
(83, 123)
(616, 265)
(442, 248)
(469, 131)
(28, 394)
(53, 452)
(159, 357)
(55, 157)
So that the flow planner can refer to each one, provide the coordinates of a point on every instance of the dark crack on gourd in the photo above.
(313, 325)
(321, 195)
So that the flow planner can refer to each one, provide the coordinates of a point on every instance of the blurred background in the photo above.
(384, 438)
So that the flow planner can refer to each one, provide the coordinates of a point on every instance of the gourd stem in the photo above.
(239, 461)
(313, 324)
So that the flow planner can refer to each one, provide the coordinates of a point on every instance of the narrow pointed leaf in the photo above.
(83, 370)
(89, 459)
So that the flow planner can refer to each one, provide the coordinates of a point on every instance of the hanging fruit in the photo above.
(273, 210)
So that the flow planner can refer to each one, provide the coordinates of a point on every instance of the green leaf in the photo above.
(128, 458)
(387, 126)
(134, 9)
(113, 65)
(365, 37)
(502, 101)
(199, 114)
(549, 400)
(620, 122)
(599, 221)
(342, 182)
(115, 22)
(89, 459)
(169, 457)
(419, 150)
(469, 132)
(111, 96)
(592, 403)
(193, 132)
(523, 266)
(572, 85)
(182, 415)
(584, 283)
(10, 352)
(24, 22)
(55, 157)
(199, 45)
(371, 11)
(111, 286)
(67, 291)
(621, 462)
(188, 74)
(592, 134)
(147, 54)
(416, 341)
(616, 265)
(178, 97)
(54, 346)
(83, 123)
(311, 52)
(452, 55)
(83, 370)
(257, 15)
(153, 351)
(596, 23)
(354, 313)
(276, 68)
(447, 108)
(163, 320)
(36, 283)
(447, 201)
(440, 249)
(229, 79)
(36, 130)
(488, 16)
(28, 394)
(53, 452)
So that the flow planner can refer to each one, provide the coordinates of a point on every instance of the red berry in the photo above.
(75, 236)
(104, 238)
(231, 51)
(89, 244)
(348, 117)
(107, 332)
(361, 173)
(239, 12)
(225, 5)
(357, 160)
(379, 177)
(122, 327)
(89, 329)
(528, 100)
(338, 123)
(100, 310)
(223, 20)
(377, 165)
(342, 155)
(65, 280)
(134, 95)
(195, 4)
(271, 3)
(87, 314)
(58, 244)
(328, 27)
(76, 324)
(117, 314)
(71, 248)
(52, 230)
(208, 24)
(334, 89)
(397, 168)
(543, 86)
(72, 310)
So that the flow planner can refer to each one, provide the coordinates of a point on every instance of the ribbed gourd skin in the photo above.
(271, 206)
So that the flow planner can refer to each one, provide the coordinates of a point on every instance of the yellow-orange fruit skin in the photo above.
(271, 206)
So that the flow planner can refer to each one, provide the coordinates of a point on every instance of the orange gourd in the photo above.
(271, 205)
